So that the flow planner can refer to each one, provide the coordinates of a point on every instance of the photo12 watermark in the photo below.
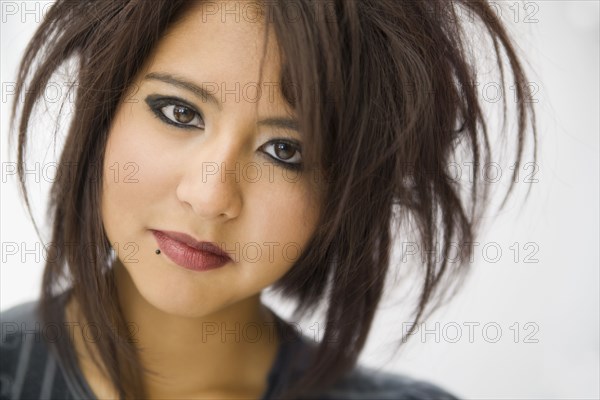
(472, 332)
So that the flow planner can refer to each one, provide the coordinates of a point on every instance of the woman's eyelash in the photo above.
(167, 109)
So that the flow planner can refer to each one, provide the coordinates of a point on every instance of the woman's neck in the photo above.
(228, 353)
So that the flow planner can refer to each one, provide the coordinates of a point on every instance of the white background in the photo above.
(555, 300)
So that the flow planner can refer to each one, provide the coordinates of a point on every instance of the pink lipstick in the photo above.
(189, 253)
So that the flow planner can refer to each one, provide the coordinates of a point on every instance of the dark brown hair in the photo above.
(385, 92)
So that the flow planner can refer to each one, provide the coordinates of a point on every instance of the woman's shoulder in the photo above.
(26, 309)
(24, 319)
(362, 382)
(19, 319)
(368, 383)
(20, 347)
(28, 369)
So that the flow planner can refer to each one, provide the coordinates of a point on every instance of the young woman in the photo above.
(218, 148)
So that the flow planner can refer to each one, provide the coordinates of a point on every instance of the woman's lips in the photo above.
(188, 253)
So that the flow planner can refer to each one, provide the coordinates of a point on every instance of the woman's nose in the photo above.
(211, 184)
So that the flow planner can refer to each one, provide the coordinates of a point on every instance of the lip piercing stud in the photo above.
(157, 251)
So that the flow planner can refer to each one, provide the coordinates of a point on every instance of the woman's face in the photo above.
(176, 161)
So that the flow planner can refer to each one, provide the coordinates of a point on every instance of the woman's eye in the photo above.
(182, 115)
(175, 111)
(286, 153)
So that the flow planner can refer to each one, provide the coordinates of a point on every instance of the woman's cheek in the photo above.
(286, 218)
(129, 175)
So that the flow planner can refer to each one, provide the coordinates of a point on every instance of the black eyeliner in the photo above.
(292, 166)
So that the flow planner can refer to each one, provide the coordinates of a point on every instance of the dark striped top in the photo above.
(28, 370)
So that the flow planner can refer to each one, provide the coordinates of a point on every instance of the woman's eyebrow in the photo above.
(280, 122)
(275, 122)
(184, 84)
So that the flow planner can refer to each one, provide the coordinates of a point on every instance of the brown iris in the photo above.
(183, 114)
(284, 148)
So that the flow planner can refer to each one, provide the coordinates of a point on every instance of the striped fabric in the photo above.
(28, 370)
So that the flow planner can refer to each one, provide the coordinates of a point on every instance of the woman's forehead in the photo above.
(232, 40)
(220, 51)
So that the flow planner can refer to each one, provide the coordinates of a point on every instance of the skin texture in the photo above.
(165, 188)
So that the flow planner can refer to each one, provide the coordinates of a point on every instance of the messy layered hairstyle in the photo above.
(383, 91)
